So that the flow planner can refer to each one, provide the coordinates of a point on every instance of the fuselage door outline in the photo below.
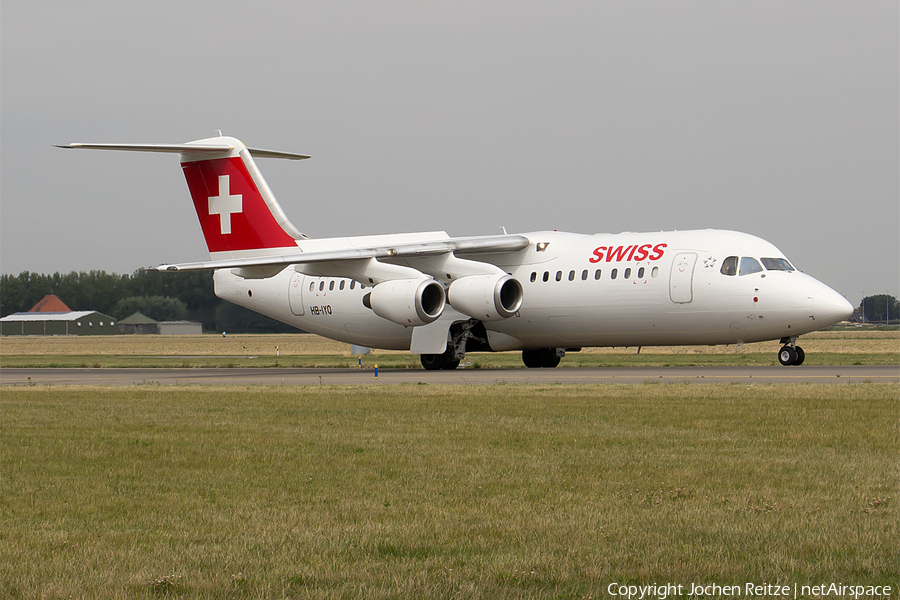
(295, 293)
(681, 278)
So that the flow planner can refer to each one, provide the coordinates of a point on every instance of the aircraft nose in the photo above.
(830, 307)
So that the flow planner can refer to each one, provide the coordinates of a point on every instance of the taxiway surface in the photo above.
(287, 376)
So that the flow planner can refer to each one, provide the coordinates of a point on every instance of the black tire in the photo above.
(532, 359)
(432, 362)
(542, 358)
(787, 356)
(550, 358)
(801, 356)
(437, 362)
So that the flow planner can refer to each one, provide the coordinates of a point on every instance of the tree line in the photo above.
(185, 295)
(882, 308)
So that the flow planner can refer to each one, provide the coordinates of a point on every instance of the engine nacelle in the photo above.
(486, 297)
(408, 302)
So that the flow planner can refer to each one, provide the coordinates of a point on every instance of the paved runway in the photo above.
(250, 376)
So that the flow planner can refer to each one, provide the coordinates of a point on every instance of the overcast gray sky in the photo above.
(779, 119)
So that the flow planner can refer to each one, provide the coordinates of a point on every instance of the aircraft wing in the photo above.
(461, 246)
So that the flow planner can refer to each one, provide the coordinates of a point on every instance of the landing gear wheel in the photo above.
(541, 358)
(787, 356)
(801, 355)
(551, 360)
(532, 358)
(432, 362)
(437, 362)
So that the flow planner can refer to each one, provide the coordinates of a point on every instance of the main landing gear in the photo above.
(542, 358)
(791, 354)
(471, 336)
(437, 362)
(464, 336)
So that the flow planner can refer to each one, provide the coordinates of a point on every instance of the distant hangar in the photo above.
(142, 324)
(51, 316)
(75, 322)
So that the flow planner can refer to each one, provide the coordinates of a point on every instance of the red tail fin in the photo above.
(236, 208)
(232, 212)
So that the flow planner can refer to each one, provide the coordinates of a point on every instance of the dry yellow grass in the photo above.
(173, 345)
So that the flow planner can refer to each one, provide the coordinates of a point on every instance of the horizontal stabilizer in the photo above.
(186, 149)
(259, 153)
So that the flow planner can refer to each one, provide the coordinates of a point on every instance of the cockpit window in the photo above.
(729, 266)
(777, 264)
(749, 265)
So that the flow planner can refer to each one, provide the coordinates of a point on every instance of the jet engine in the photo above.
(408, 302)
(486, 297)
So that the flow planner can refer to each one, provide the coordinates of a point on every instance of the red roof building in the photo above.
(50, 303)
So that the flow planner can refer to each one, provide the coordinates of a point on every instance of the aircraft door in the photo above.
(295, 293)
(681, 278)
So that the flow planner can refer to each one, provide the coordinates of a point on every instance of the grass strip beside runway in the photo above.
(458, 491)
(840, 347)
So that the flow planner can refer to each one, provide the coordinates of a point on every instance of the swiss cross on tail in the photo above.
(225, 204)
(232, 212)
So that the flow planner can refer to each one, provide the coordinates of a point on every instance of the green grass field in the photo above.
(444, 491)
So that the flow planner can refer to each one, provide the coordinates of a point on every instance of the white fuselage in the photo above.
(663, 288)
(437, 296)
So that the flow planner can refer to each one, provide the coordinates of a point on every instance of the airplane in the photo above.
(544, 293)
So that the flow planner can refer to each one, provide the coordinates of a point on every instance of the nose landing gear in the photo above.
(791, 354)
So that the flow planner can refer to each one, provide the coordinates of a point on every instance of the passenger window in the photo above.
(597, 274)
(546, 276)
(331, 286)
(584, 275)
(627, 274)
(559, 275)
(654, 272)
(571, 275)
(641, 273)
(352, 283)
(312, 286)
(777, 264)
(749, 265)
(342, 284)
(613, 274)
(321, 286)
(533, 276)
(729, 266)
